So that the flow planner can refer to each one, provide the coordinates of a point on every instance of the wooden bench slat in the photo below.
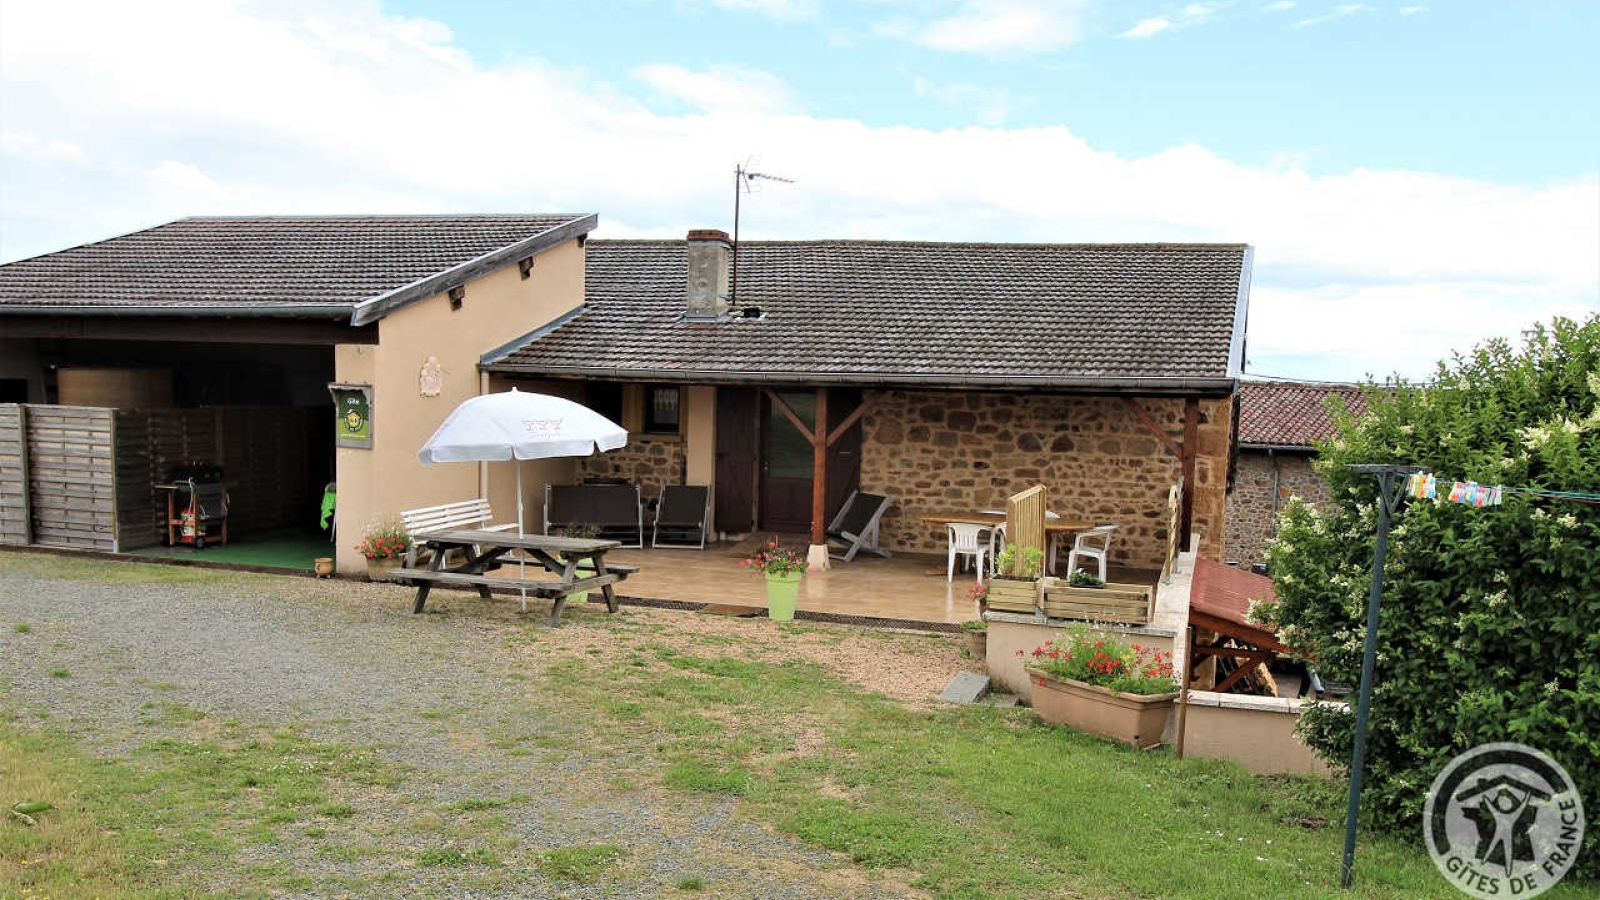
(542, 588)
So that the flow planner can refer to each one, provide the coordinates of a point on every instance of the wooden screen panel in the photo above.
(71, 482)
(1025, 522)
(14, 515)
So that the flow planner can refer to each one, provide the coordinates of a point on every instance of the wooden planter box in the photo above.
(1127, 603)
(1013, 595)
(1137, 719)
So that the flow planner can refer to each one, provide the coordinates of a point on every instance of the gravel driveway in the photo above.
(439, 695)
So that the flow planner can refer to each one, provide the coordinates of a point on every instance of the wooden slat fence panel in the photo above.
(14, 517)
(1025, 522)
(1174, 529)
(262, 451)
(136, 501)
(71, 477)
(83, 477)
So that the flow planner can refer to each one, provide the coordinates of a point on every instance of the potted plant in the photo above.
(1015, 585)
(1082, 578)
(1100, 683)
(384, 543)
(783, 569)
(977, 634)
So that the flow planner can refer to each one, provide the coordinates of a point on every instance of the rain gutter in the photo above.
(1142, 385)
(219, 310)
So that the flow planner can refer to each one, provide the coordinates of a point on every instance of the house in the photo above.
(252, 318)
(954, 375)
(1279, 422)
(947, 375)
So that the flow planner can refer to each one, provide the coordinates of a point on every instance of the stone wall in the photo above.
(648, 461)
(1250, 508)
(935, 451)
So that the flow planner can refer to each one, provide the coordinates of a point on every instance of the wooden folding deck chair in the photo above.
(856, 526)
(684, 513)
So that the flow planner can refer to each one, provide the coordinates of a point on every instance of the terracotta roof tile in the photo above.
(1291, 414)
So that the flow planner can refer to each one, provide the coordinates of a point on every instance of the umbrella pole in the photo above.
(522, 552)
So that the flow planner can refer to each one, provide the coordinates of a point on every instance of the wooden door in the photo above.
(786, 463)
(844, 457)
(736, 459)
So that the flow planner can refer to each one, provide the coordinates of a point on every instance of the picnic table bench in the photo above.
(482, 550)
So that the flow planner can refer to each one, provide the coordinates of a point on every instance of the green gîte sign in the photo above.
(352, 407)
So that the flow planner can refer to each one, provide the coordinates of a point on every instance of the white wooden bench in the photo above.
(464, 514)
(472, 514)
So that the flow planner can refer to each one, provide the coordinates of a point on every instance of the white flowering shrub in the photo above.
(1491, 616)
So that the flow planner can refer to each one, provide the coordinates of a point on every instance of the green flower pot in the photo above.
(783, 592)
(581, 596)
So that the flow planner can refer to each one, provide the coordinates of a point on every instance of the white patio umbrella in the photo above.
(516, 426)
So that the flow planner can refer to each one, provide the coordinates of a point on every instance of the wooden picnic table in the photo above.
(978, 517)
(1054, 529)
(483, 550)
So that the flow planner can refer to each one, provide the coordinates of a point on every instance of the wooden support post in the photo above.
(819, 470)
(1191, 428)
(839, 429)
(789, 413)
(1184, 677)
(1151, 426)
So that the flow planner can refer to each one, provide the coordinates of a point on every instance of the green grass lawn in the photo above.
(124, 829)
(980, 802)
(957, 802)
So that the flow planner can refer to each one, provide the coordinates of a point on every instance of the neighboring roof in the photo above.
(1291, 414)
(1157, 316)
(312, 266)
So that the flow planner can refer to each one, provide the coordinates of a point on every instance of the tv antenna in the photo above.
(744, 182)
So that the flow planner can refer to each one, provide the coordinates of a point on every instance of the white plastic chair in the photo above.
(1092, 544)
(967, 540)
(997, 542)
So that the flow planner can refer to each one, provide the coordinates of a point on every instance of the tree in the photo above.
(1491, 616)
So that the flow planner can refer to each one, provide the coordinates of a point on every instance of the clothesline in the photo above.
(1427, 486)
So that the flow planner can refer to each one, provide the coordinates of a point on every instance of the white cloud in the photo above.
(1342, 11)
(355, 111)
(1148, 27)
(719, 88)
(988, 105)
(1189, 14)
(992, 26)
(1279, 6)
(1412, 10)
(26, 145)
(783, 10)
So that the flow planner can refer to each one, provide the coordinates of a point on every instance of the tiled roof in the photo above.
(261, 262)
(1291, 414)
(887, 312)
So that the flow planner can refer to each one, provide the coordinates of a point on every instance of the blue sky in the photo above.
(1495, 90)
(1428, 166)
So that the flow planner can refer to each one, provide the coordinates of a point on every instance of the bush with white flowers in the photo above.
(1491, 616)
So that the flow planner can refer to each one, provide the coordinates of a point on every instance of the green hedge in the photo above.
(1491, 616)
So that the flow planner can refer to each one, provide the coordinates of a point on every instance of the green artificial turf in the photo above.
(290, 549)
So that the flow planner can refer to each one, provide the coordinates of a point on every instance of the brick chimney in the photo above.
(709, 255)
